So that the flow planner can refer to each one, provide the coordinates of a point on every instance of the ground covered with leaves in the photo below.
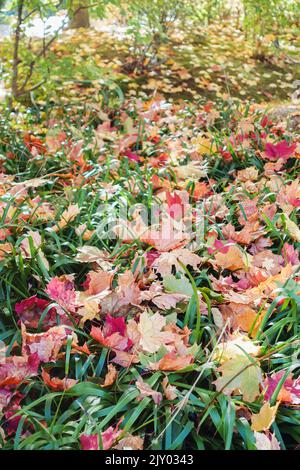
(217, 61)
(149, 278)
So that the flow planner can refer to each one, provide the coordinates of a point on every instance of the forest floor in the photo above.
(215, 62)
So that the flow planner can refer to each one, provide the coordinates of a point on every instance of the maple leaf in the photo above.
(5, 397)
(266, 441)
(240, 315)
(237, 344)
(98, 281)
(288, 196)
(234, 259)
(150, 328)
(290, 389)
(126, 296)
(114, 340)
(266, 416)
(92, 254)
(88, 305)
(165, 239)
(61, 290)
(179, 286)
(46, 345)
(166, 261)
(204, 145)
(110, 435)
(177, 204)
(89, 441)
(290, 255)
(173, 362)
(128, 292)
(5, 249)
(125, 359)
(239, 375)
(14, 369)
(30, 311)
(192, 171)
(167, 301)
(280, 150)
(162, 300)
(248, 174)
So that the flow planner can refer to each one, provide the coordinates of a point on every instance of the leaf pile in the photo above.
(174, 328)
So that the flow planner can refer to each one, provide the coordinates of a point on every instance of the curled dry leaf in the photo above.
(169, 390)
(57, 384)
(147, 391)
(110, 376)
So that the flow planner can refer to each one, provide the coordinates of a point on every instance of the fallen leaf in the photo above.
(292, 228)
(265, 417)
(110, 376)
(169, 390)
(57, 384)
(150, 328)
(239, 376)
(266, 441)
(147, 391)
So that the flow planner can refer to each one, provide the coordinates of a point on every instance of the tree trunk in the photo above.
(17, 36)
(79, 16)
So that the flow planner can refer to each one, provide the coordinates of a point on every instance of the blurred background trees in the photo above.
(149, 26)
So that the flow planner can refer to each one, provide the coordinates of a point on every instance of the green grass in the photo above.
(200, 417)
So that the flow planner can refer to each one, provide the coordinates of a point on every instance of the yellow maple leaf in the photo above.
(204, 145)
(263, 420)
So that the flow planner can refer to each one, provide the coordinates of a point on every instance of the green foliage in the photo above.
(150, 23)
(208, 419)
(268, 16)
